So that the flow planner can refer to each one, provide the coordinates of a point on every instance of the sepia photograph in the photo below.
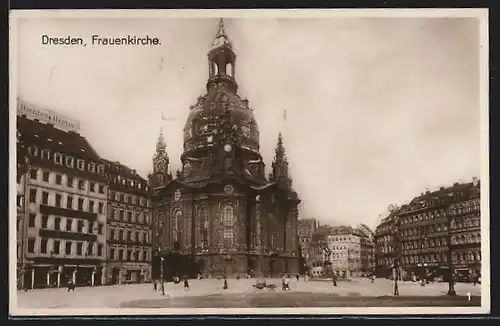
(249, 162)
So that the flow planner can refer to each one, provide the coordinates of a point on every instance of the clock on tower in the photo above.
(160, 164)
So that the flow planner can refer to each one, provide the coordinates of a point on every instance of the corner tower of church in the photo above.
(220, 216)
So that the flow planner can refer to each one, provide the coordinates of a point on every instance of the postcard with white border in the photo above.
(249, 162)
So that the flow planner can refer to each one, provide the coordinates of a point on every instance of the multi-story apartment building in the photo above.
(432, 229)
(21, 179)
(367, 248)
(465, 230)
(63, 226)
(344, 244)
(384, 245)
(316, 254)
(129, 225)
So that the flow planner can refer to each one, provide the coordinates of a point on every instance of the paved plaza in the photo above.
(241, 293)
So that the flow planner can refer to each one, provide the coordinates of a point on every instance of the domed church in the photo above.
(220, 215)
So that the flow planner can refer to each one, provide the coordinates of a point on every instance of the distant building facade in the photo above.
(63, 195)
(384, 246)
(344, 243)
(129, 222)
(367, 249)
(427, 224)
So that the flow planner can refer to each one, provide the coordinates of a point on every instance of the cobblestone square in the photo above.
(142, 295)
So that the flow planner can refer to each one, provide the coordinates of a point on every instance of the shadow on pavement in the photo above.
(302, 299)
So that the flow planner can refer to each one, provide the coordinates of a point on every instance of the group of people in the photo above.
(176, 281)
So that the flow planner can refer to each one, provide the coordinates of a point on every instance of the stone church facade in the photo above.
(220, 214)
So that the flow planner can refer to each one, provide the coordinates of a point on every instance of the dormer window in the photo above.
(70, 161)
(58, 158)
(92, 167)
(34, 151)
(80, 165)
(100, 169)
(45, 154)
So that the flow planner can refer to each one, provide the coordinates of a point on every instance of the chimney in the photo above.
(475, 181)
(456, 184)
(441, 188)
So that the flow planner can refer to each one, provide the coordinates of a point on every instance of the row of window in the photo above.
(71, 182)
(458, 224)
(131, 236)
(65, 224)
(337, 239)
(128, 254)
(424, 230)
(66, 160)
(130, 199)
(67, 201)
(423, 216)
(70, 247)
(424, 244)
(467, 207)
(341, 248)
(466, 238)
(129, 216)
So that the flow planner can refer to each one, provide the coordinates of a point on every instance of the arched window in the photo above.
(228, 215)
(203, 226)
(176, 228)
(228, 222)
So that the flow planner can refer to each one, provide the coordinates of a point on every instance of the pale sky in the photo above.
(378, 109)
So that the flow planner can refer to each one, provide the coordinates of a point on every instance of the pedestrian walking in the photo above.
(373, 278)
(186, 284)
(286, 283)
(71, 286)
(297, 277)
(225, 287)
(306, 277)
(155, 286)
(334, 280)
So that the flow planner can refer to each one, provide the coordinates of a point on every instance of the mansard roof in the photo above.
(55, 149)
(46, 136)
(122, 178)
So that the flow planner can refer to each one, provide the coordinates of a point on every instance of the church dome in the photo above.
(221, 98)
(203, 120)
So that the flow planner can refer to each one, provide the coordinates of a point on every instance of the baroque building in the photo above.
(61, 228)
(129, 221)
(220, 214)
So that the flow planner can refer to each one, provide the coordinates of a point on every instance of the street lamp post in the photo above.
(396, 238)
(161, 276)
(451, 281)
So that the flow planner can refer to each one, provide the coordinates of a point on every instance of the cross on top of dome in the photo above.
(221, 39)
